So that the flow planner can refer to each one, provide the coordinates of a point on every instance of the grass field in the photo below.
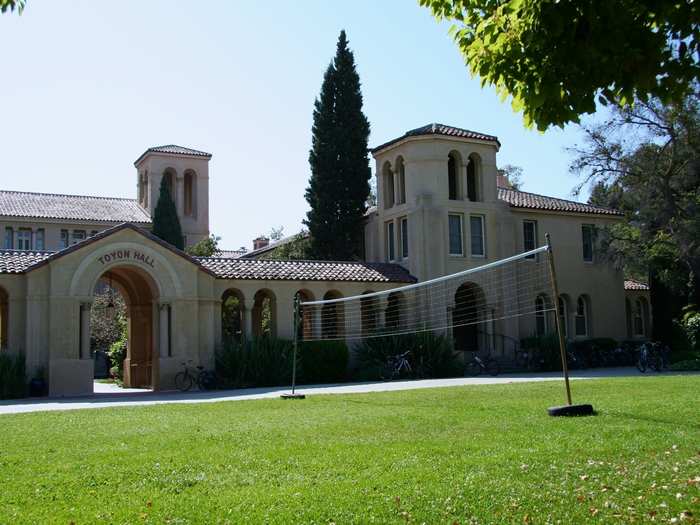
(482, 454)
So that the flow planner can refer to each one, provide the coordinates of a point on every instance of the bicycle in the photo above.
(476, 365)
(185, 380)
(649, 357)
(396, 365)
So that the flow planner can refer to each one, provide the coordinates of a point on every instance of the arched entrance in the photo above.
(470, 305)
(140, 294)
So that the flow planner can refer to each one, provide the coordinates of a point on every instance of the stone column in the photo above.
(85, 309)
(247, 306)
(164, 326)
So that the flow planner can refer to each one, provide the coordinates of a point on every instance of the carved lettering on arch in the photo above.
(127, 255)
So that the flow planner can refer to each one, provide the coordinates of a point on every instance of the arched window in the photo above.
(264, 314)
(392, 314)
(638, 318)
(453, 165)
(190, 194)
(388, 179)
(564, 316)
(4, 309)
(401, 182)
(305, 326)
(232, 316)
(473, 172)
(541, 327)
(333, 317)
(581, 318)
(369, 314)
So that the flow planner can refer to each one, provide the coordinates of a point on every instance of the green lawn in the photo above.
(483, 454)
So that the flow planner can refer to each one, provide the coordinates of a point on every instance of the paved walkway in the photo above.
(135, 397)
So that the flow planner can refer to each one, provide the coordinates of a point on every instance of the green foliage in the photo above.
(118, 350)
(11, 5)
(686, 366)
(339, 184)
(295, 248)
(105, 330)
(691, 325)
(431, 355)
(546, 350)
(262, 361)
(323, 361)
(644, 162)
(13, 375)
(208, 247)
(556, 59)
(166, 223)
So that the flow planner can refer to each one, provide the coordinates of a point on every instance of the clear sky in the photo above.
(88, 85)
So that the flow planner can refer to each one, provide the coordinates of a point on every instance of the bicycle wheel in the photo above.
(472, 369)
(183, 381)
(655, 363)
(492, 367)
(642, 365)
(207, 380)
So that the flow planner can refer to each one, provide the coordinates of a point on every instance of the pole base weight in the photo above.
(571, 410)
(293, 396)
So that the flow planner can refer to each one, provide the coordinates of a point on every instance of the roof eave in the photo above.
(395, 143)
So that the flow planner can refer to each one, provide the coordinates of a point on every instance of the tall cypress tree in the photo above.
(340, 173)
(166, 224)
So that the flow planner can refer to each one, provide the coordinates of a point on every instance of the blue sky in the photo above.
(88, 86)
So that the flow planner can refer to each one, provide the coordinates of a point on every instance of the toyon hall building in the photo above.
(442, 208)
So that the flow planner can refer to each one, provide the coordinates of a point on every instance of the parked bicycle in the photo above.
(396, 366)
(190, 376)
(476, 365)
(650, 357)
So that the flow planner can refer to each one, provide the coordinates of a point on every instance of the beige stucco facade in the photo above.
(435, 194)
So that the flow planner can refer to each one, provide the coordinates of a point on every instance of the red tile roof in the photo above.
(631, 284)
(174, 149)
(522, 199)
(71, 207)
(17, 261)
(261, 269)
(441, 130)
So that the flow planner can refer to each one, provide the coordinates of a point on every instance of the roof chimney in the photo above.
(260, 242)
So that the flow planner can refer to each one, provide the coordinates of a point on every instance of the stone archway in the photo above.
(141, 294)
(468, 312)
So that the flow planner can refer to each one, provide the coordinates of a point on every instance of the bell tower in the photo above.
(186, 172)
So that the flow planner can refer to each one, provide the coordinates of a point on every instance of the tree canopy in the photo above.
(166, 223)
(645, 162)
(556, 59)
(339, 184)
(11, 5)
(207, 247)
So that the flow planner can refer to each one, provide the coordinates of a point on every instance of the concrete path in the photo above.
(131, 398)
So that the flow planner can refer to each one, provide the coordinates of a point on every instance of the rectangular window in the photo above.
(390, 247)
(455, 225)
(9, 239)
(39, 242)
(24, 239)
(78, 235)
(588, 235)
(476, 225)
(404, 237)
(64, 239)
(529, 237)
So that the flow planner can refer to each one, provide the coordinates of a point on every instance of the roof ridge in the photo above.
(327, 261)
(45, 194)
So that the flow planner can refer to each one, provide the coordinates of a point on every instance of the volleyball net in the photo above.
(472, 305)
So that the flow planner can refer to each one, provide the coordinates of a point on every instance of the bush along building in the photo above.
(442, 207)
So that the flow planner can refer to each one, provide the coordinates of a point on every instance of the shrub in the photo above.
(687, 365)
(13, 376)
(431, 355)
(262, 361)
(691, 326)
(323, 361)
(545, 350)
(117, 354)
